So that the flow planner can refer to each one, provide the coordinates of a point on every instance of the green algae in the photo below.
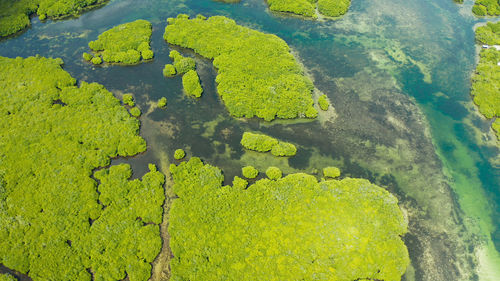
(241, 239)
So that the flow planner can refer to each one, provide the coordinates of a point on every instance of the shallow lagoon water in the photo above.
(397, 73)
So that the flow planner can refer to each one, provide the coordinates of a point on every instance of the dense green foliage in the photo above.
(179, 154)
(486, 83)
(249, 172)
(331, 172)
(323, 102)
(57, 221)
(264, 143)
(485, 88)
(162, 103)
(496, 127)
(14, 15)
(257, 74)
(486, 8)
(128, 99)
(135, 111)
(274, 173)
(169, 70)
(488, 34)
(333, 8)
(96, 60)
(307, 8)
(300, 7)
(258, 142)
(293, 228)
(87, 56)
(7, 277)
(125, 43)
(284, 149)
(191, 84)
(182, 64)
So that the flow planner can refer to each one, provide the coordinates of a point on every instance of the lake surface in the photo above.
(397, 73)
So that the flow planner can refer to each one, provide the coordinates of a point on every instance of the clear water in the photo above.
(397, 73)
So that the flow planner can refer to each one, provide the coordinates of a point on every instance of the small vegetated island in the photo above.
(307, 8)
(257, 74)
(126, 43)
(311, 8)
(264, 143)
(486, 79)
(14, 14)
(59, 219)
(288, 228)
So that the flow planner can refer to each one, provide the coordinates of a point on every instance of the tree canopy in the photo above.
(264, 143)
(125, 43)
(58, 222)
(257, 74)
(486, 8)
(14, 15)
(485, 88)
(291, 228)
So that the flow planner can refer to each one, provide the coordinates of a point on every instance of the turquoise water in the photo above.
(397, 73)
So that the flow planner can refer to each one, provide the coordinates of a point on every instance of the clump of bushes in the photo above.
(281, 222)
(239, 183)
(307, 8)
(162, 103)
(257, 74)
(135, 111)
(284, 149)
(273, 173)
(191, 84)
(179, 154)
(323, 102)
(126, 43)
(331, 172)
(182, 64)
(264, 143)
(169, 70)
(96, 60)
(87, 56)
(258, 142)
(249, 172)
(128, 99)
